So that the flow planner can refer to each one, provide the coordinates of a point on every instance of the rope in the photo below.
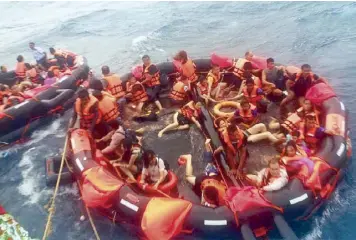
(51, 208)
(92, 222)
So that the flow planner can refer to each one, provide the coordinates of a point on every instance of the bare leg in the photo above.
(139, 107)
(159, 105)
(173, 126)
(128, 173)
(189, 169)
(258, 128)
(262, 136)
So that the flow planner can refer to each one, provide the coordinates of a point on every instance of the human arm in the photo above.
(196, 122)
(95, 118)
(106, 137)
(162, 173)
(73, 119)
(210, 84)
(278, 183)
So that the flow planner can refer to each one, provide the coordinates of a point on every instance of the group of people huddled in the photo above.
(46, 71)
(101, 107)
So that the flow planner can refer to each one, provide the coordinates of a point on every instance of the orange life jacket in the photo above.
(247, 116)
(239, 67)
(20, 70)
(64, 53)
(86, 117)
(188, 70)
(294, 121)
(138, 92)
(155, 78)
(189, 113)
(203, 86)
(215, 78)
(179, 91)
(114, 85)
(235, 138)
(33, 75)
(108, 108)
(252, 97)
(310, 138)
(219, 186)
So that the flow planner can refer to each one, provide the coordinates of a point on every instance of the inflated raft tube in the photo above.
(18, 121)
(8, 78)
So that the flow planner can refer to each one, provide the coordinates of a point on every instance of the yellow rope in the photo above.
(51, 208)
(92, 223)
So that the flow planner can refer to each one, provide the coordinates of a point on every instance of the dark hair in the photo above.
(145, 56)
(147, 155)
(50, 74)
(51, 50)
(96, 84)
(305, 66)
(247, 53)
(247, 75)
(19, 58)
(27, 65)
(114, 124)
(247, 66)
(32, 43)
(291, 143)
(82, 93)
(231, 128)
(270, 60)
(250, 81)
(181, 55)
(2, 87)
(211, 195)
(244, 101)
(296, 134)
(127, 143)
(105, 69)
(152, 69)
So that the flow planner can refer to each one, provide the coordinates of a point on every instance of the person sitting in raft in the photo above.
(312, 133)
(272, 178)
(136, 92)
(187, 68)
(20, 68)
(300, 82)
(208, 186)
(64, 58)
(86, 107)
(39, 55)
(154, 170)
(247, 112)
(113, 84)
(151, 80)
(242, 69)
(180, 91)
(291, 151)
(3, 69)
(215, 86)
(107, 106)
(50, 79)
(129, 161)
(32, 74)
(255, 95)
(183, 117)
(271, 79)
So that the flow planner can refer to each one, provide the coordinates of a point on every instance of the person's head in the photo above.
(306, 69)
(28, 66)
(232, 128)
(295, 135)
(270, 63)
(151, 71)
(310, 120)
(146, 60)
(211, 196)
(215, 69)
(50, 74)
(132, 78)
(52, 50)
(273, 166)
(105, 70)
(3, 69)
(83, 94)
(245, 104)
(248, 55)
(181, 56)
(250, 84)
(221, 123)
(149, 158)
(307, 105)
(31, 45)
(291, 148)
(20, 58)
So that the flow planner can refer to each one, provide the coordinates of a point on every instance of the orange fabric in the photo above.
(138, 92)
(155, 78)
(178, 91)
(20, 69)
(32, 75)
(235, 138)
(188, 70)
(99, 186)
(80, 141)
(164, 218)
(239, 67)
(219, 186)
(252, 96)
(114, 85)
(108, 108)
(310, 138)
(247, 116)
(85, 115)
(336, 123)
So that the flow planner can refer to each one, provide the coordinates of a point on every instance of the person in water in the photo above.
(272, 78)
(151, 80)
(272, 178)
(187, 114)
(154, 170)
(39, 55)
(208, 186)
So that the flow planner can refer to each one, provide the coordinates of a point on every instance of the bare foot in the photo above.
(160, 134)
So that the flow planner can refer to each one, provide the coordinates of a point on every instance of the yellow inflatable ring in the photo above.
(231, 104)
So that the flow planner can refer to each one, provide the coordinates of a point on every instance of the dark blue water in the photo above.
(117, 34)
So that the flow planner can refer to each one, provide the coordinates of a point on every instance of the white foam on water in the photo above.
(142, 44)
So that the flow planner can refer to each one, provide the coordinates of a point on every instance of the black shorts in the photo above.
(153, 93)
(43, 62)
(182, 120)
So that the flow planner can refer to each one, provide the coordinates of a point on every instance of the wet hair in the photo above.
(145, 56)
(52, 50)
(291, 143)
(96, 84)
(152, 69)
(305, 66)
(181, 55)
(19, 58)
(127, 143)
(244, 101)
(270, 60)
(105, 69)
(211, 195)
(250, 81)
(147, 155)
(27, 65)
(248, 66)
(50, 74)
(82, 93)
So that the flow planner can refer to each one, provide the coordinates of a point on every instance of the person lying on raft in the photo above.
(187, 114)
(179, 94)
(272, 178)
(136, 93)
(208, 186)
(247, 112)
(154, 170)
(151, 80)
(272, 78)
(187, 68)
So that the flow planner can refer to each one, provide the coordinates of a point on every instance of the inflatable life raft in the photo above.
(42, 105)
(253, 213)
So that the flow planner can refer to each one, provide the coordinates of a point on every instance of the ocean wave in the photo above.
(144, 44)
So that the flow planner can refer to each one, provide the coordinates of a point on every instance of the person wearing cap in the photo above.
(39, 55)
(208, 185)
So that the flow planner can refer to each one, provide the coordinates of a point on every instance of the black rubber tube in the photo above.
(283, 228)
(247, 233)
